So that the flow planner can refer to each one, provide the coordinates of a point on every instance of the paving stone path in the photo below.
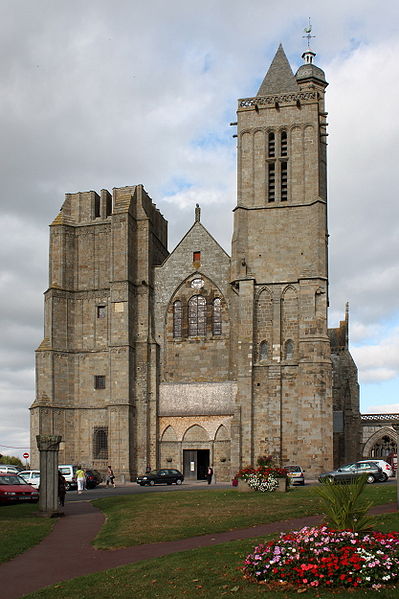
(67, 553)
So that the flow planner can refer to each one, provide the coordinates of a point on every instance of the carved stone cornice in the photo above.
(280, 99)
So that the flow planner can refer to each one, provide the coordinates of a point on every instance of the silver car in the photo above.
(350, 472)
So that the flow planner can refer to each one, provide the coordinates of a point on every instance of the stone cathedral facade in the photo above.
(190, 358)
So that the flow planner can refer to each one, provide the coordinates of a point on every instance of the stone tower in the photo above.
(96, 367)
(279, 271)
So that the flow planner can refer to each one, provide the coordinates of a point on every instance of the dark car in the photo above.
(93, 478)
(350, 472)
(165, 476)
(14, 489)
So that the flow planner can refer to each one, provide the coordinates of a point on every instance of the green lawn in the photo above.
(21, 529)
(137, 519)
(208, 573)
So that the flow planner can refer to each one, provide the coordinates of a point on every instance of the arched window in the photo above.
(197, 316)
(177, 319)
(384, 447)
(100, 443)
(284, 143)
(289, 350)
(263, 350)
(271, 149)
(217, 316)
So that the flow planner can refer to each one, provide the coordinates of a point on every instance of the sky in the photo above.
(99, 95)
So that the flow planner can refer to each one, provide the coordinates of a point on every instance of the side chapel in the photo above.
(195, 357)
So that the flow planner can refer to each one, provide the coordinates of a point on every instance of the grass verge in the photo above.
(155, 517)
(207, 573)
(21, 529)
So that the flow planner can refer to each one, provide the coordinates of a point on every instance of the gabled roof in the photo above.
(279, 78)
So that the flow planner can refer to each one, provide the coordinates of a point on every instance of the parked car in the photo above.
(32, 477)
(93, 478)
(295, 475)
(166, 476)
(349, 472)
(6, 468)
(13, 488)
(68, 472)
(385, 467)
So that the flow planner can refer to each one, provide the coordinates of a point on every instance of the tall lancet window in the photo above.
(217, 316)
(197, 316)
(177, 319)
(277, 167)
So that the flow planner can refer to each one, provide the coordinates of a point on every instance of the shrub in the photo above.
(344, 508)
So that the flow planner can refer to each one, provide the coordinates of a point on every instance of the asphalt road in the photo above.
(132, 488)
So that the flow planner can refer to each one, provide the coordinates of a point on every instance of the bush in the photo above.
(343, 505)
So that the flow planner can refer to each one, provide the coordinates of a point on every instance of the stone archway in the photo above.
(381, 444)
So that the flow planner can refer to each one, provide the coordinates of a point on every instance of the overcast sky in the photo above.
(98, 95)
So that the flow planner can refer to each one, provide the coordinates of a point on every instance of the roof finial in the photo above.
(197, 213)
(308, 55)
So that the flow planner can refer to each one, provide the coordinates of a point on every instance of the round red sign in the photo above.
(25, 455)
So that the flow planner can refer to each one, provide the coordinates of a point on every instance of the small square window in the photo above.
(101, 311)
(196, 256)
(99, 381)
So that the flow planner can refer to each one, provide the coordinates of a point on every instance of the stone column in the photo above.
(48, 446)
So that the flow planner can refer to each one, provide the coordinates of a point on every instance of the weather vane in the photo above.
(308, 30)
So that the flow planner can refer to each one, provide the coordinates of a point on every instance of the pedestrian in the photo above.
(80, 479)
(61, 489)
(110, 477)
(148, 469)
(209, 475)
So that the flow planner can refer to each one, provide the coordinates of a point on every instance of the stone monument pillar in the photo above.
(48, 446)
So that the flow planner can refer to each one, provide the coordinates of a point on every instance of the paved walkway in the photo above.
(67, 553)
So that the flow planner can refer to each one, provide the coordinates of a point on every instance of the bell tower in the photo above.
(280, 270)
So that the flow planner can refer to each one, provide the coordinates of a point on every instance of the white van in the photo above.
(68, 472)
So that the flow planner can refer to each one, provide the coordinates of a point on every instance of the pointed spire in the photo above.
(279, 78)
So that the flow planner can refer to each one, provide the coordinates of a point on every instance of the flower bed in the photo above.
(263, 479)
(319, 556)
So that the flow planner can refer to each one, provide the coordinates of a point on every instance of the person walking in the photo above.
(209, 475)
(110, 477)
(80, 479)
(61, 489)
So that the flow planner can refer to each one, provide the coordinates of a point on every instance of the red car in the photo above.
(13, 488)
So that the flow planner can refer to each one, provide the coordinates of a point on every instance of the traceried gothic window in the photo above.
(177, 319)
(217, 316)
(100, 443)
(197, 316)
(384, 447)
(289, 350)
(263, 351)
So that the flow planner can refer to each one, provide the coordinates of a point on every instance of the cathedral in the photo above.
(194, 357)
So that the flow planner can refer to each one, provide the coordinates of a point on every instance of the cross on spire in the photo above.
(308, 30)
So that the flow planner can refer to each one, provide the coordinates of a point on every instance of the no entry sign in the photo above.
(25, 455)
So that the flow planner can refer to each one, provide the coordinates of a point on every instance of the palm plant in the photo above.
(344, 507)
